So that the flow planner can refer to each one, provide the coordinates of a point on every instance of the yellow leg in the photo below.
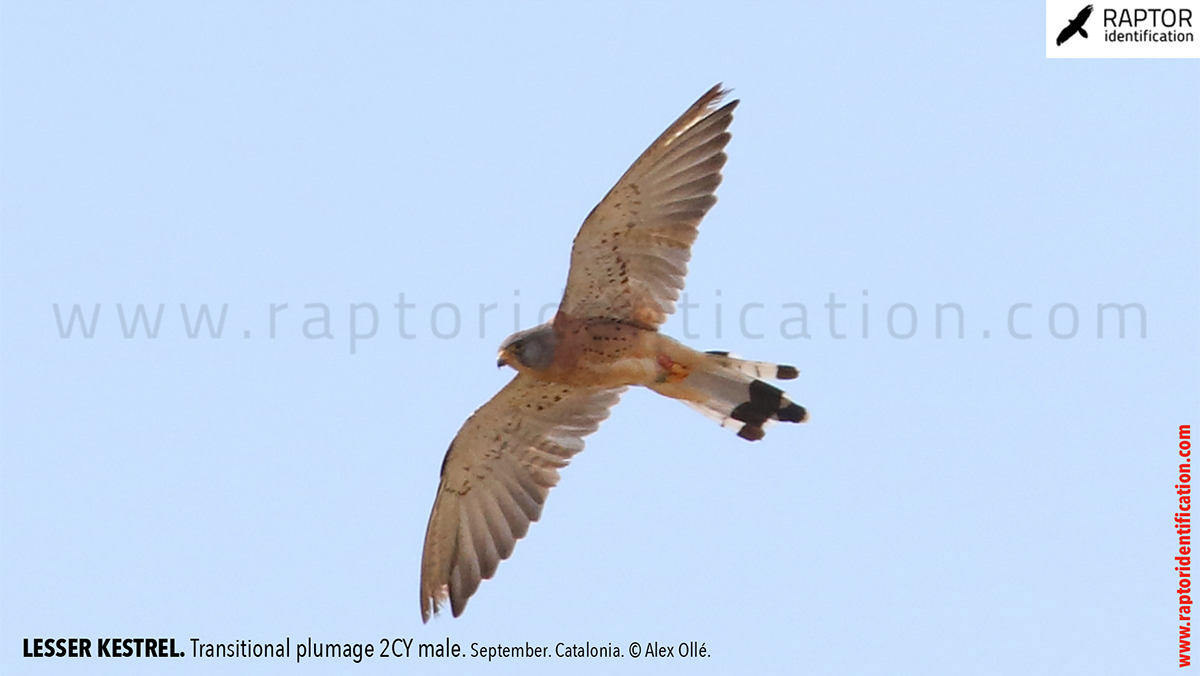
(673, 371)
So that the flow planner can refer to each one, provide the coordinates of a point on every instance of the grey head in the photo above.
(531, 348)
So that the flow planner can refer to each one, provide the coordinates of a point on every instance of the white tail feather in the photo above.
(732, 394)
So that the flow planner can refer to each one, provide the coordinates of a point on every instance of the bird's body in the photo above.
(597, 351)
(628, 264)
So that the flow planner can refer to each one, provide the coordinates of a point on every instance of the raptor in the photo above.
(628, 264)
(1075, 26)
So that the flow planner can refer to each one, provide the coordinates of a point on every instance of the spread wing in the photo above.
(630, 257)
(1083, 15)
(495, 478)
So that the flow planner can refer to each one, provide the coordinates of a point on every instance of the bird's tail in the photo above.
(730, 391)
(1083, 32)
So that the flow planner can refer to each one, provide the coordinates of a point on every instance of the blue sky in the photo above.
(985, 504)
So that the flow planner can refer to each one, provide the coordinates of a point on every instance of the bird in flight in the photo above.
(628, 264)
(1076, 26)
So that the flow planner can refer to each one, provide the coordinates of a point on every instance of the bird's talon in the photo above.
(673, 371)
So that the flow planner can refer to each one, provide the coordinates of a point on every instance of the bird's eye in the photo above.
(518, 346)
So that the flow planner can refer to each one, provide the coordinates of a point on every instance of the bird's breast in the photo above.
(603, 353)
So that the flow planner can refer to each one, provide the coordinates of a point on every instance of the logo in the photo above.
(1122, 29)
(1076, 26)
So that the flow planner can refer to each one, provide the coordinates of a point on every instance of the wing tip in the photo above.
(712, 98)
(431, 604)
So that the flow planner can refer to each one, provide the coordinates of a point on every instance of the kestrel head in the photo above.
(528, 349)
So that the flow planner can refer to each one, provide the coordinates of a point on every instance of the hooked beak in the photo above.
(501, 362)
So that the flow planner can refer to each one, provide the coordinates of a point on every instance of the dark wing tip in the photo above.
(785, 372)
(429, 606)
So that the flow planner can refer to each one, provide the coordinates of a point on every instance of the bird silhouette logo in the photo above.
(1076, 26)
